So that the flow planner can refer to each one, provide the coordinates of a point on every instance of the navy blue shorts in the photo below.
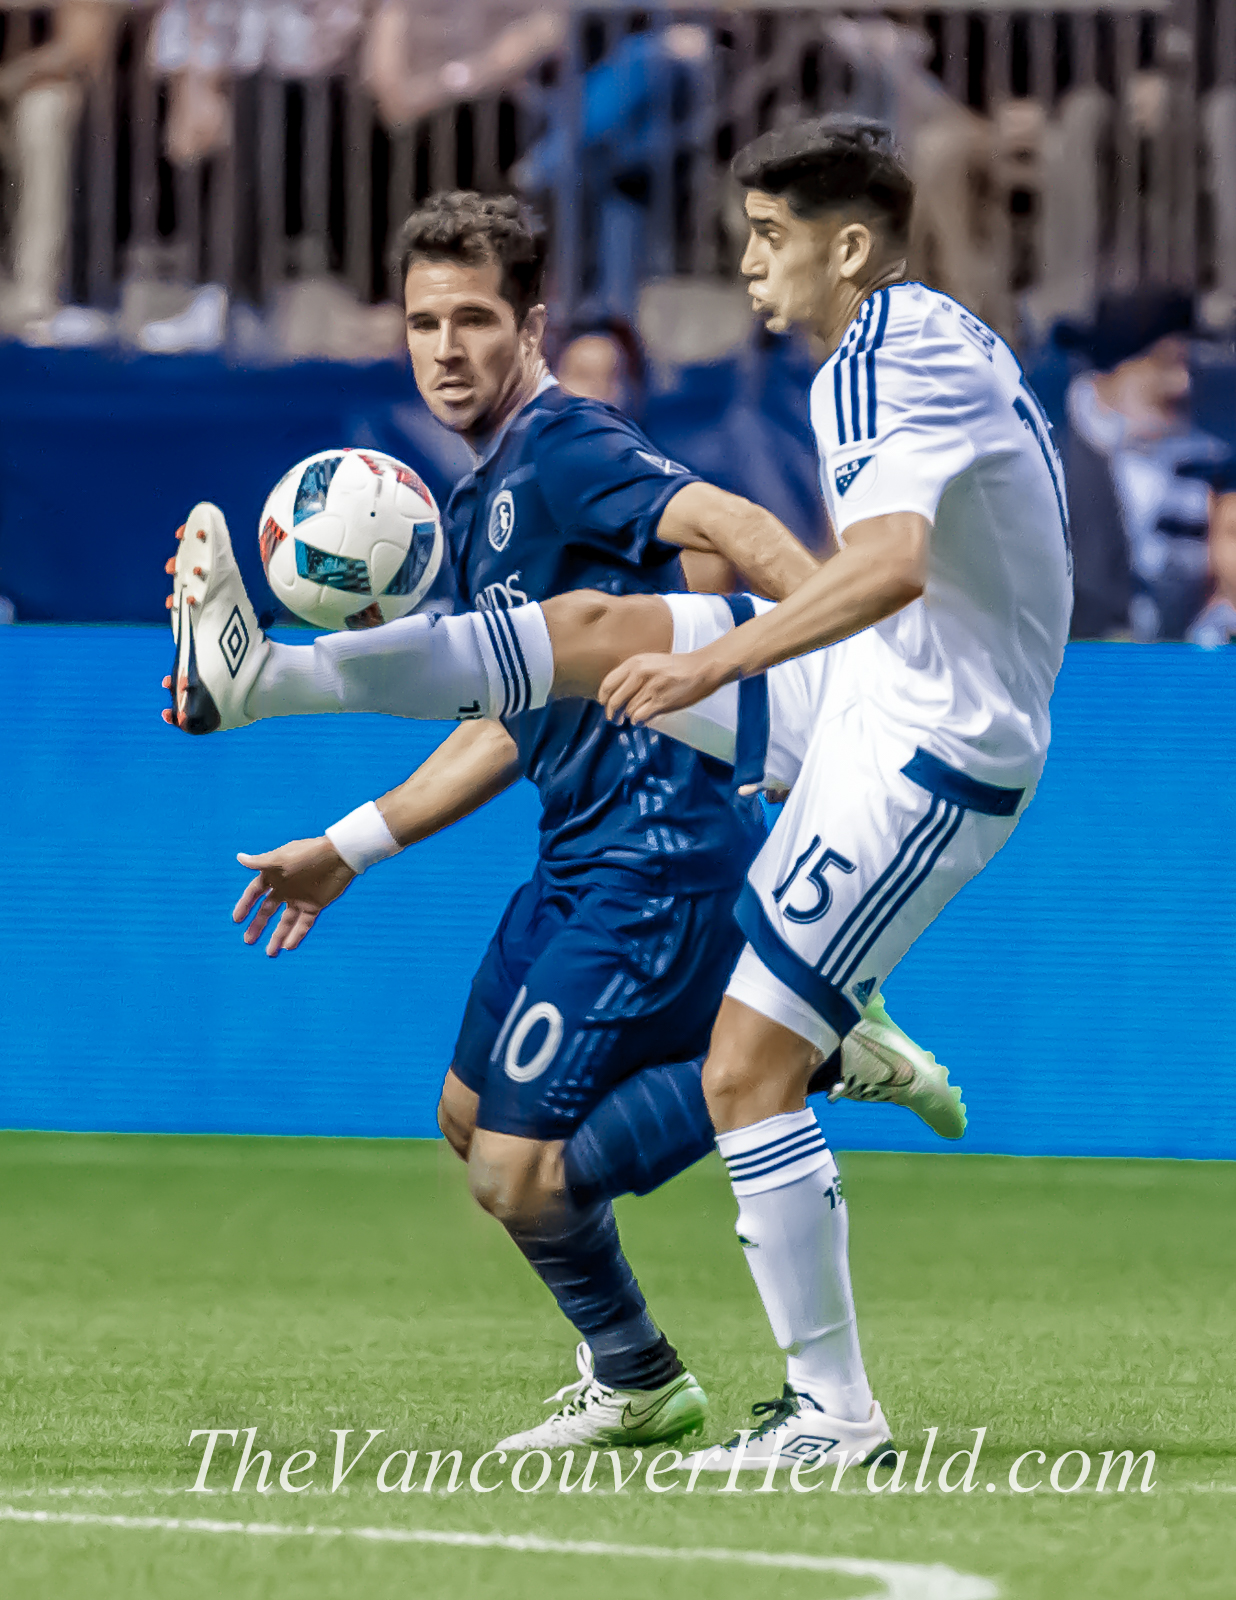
(581, 987)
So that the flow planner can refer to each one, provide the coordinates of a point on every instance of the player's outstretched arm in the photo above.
(882, 568)
(756, 544)
(477, 762)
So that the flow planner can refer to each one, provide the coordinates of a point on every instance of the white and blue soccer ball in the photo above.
(350, 539)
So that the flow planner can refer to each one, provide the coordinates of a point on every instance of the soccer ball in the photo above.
(350, 539)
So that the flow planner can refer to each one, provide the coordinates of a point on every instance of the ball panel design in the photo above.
(331, 571)
(281, 568)
(271, 534)
(386, 558)
(315, 481)
(350, 538)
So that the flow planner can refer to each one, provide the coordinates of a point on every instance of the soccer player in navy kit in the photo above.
(614, 956)
(603, 979)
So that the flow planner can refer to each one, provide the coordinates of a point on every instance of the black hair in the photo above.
(461, 225)
(830, 162)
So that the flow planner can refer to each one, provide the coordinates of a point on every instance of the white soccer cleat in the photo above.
(219, 646)
(795, 1429)
(599, 1416)
(879, 1061)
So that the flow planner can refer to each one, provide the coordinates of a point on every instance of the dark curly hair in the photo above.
(476, 229)
(829, 162)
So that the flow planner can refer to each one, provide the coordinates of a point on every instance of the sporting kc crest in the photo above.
(502, 520)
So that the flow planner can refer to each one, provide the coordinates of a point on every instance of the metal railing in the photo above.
(311, 182)
(1060, 152)
(1057, 153)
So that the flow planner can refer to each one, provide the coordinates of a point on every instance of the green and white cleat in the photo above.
(880, 1062)
(796, 1429)
(600, 1416)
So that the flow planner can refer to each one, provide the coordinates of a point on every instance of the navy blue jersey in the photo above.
(569, 498)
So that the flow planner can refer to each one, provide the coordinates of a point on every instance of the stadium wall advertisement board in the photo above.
(1082, 990)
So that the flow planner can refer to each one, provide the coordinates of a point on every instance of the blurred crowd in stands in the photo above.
(1153, 494)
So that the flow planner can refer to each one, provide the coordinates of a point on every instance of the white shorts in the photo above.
(761, 727)
(876, 837)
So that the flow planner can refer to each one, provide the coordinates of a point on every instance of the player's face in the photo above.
(469, 356)
(800, 270)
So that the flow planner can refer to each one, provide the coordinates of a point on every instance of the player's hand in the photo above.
(303, 877)
(647, 686)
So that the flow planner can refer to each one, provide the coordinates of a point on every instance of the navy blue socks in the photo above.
(649, 1129)
(646, 1131)
(580, 1261)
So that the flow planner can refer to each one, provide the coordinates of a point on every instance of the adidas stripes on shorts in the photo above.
(876, 837)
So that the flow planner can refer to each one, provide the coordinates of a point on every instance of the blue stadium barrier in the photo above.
(101, 456)
(1083, 989)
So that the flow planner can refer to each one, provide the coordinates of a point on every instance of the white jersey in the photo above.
(922, 408)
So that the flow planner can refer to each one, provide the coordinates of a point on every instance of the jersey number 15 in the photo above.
(815, 877)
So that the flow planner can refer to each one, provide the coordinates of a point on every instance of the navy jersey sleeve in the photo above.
(606, 485)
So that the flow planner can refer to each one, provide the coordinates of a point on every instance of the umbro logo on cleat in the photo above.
(808, 1447)
(862, 991)
(234, 641)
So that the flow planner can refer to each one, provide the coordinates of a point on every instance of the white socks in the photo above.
(793, 1228)
(478, 664)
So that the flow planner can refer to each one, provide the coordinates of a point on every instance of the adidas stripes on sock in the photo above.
(794, 1230)
(435, 668)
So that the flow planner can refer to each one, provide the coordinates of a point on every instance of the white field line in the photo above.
(902, 1580)
(115, 1492)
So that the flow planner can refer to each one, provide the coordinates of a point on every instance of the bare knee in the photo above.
(518, 1181)
(755, 1068)
(724, 1079)
(457, 1114)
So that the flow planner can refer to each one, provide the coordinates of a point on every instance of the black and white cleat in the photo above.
(219, 646)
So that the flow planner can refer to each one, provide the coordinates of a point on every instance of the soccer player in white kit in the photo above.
(945, 615)
(901, 694)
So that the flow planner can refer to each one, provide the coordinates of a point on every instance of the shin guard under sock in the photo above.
(478, 664)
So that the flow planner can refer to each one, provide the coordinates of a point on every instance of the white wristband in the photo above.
(362, 837)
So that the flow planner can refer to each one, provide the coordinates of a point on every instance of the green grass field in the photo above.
(151, 1286)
